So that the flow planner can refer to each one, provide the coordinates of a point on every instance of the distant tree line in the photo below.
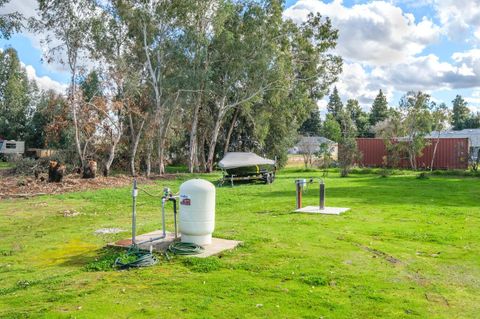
(165, 82)
(404, 128)
(461, 117)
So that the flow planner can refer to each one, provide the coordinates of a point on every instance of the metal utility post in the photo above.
(322, 195)
(299, 189)
(166, 194)
(134, 210)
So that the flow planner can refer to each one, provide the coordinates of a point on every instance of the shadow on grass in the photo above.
(98, 260)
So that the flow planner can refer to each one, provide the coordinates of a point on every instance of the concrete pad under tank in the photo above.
(217, 246)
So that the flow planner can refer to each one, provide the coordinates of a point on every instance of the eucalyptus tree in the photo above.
(114, 48)
(440, 119)
(240, 60)
(300, 72)
(154, 27)
(66, 28)
(198, 20)
(15, 96)
(417, 122)
(306, 69)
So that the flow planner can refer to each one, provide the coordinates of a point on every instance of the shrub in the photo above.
(25, 166)
(422, 175)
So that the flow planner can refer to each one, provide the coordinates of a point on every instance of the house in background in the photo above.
(311, 144)
(473, 136)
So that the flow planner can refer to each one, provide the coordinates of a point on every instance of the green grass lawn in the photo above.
(6, 165)
(408, 248)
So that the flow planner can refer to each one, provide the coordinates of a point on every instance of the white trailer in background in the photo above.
(12, 147)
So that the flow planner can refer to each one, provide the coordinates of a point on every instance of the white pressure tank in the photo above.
(197, 211)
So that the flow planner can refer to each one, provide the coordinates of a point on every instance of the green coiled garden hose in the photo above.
(179, 248)
(135, 258)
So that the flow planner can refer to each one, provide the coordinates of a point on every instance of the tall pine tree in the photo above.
(379, 110)
(335, 105)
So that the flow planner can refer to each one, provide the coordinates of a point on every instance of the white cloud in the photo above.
(44, 82)
(459, 17)
(382, 46)
(25, 7)
(474, 100)
(356, 83)
(428, 73)
(376, 33)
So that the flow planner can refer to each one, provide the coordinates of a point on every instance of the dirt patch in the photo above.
(25, 187)
(436, 298)
(381, 254)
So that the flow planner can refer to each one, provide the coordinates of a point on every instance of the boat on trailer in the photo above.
(246, 166)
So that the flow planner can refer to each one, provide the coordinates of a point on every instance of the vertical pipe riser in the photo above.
(134, 210)
(299, 194)
(322, 195)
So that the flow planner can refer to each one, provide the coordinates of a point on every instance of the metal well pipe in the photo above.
(134, 210)
(163, 218)
(322, 195)
(299, 184)
(174, 200)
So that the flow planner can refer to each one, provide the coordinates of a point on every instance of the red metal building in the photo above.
(452, 153)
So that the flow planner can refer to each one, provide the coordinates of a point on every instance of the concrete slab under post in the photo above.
(217, 246)
(325, 211)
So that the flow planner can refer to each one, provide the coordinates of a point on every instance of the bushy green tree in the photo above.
(331, 128)
(461, 113)
(347, 144)
(50, 126)
(359, 117)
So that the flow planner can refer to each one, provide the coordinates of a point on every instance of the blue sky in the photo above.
(393, 45)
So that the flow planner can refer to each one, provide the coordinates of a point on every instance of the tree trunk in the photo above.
(73, 106)
(201, 160)
(216, 129)
(434, 153)
(230, 130)
(192, 163)
(149, 159)
(212, 144)
(161, 160)
(135, 141)
(109, 162)
(193, 146)
(111, 155)
(413, 160)
(162, 141)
